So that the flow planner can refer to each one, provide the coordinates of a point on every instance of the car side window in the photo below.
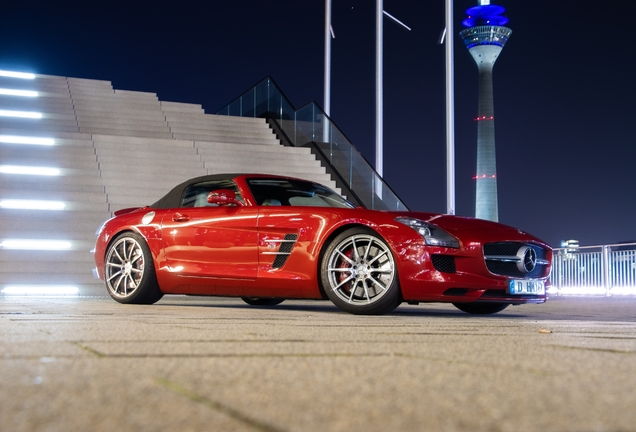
(196, 195)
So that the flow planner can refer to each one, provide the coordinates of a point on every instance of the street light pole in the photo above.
(327, 98)
(450, 110)
(379, 132)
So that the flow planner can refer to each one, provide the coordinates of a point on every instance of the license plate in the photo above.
(522, 286)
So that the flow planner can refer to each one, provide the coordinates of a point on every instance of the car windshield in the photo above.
(284, 192)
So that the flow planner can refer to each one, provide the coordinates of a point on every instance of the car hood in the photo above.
(460, 224)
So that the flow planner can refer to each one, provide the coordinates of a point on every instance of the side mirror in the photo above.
(223, 197)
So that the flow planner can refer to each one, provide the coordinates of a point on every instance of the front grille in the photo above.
(502, 248)
(502, 251)
(444, 263)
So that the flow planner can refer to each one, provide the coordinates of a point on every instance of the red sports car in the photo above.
(268, 238)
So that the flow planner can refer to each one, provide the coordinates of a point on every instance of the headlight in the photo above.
(433, 235)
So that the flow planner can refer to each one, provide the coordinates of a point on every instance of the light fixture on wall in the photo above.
(17, 139)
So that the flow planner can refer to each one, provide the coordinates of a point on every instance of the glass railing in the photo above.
(308, 125)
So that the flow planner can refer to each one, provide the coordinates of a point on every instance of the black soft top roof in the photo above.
(173, 198)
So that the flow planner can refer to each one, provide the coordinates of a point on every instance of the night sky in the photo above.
(564, 89)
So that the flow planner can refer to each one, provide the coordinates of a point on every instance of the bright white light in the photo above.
(623, 290)
(31, 170)
(12, 92)
(22, 114)
(40, 289)
(15, 139)
(591, 290)
(32, 244)
(11, 74)
(32, 204)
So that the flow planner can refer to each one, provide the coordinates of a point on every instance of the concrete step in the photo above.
(180, 107)
(61, 138)
(65, 195)
(73, 182)
(227, 139)
(263, 158)
(48, 119)
(17, 278)
(142, 126)
(244, 149)
(50, 268)
(70, 225)
(46, 152)
(147, 190)
(35, 217)
(157, 184)
(36, 84)
(140, 165)
(79, 240)
(157, 177)
(219, 134)
(125, 201)
(117, 112)
(110, 131)
(101, 141)
(87, 163)
(114, 118)
(282, 168)
(148, 158)
(41, 104)
(34, 257)
(133, 94)
(52, 184)
(219, 119)
(153, 151)
(88, 107)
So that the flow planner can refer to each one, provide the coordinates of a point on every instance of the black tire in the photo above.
(260, 301)
(359, 274)
(129, 271)
(481, 308)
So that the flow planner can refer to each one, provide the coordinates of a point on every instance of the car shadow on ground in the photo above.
(324, 306)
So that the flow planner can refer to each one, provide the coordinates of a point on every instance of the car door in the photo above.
(208, 241)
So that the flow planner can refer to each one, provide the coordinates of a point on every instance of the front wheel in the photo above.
(260, 301)
(129, 271)
(481, 308)
(359, 275)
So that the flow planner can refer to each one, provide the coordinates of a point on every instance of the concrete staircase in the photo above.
(113, 149)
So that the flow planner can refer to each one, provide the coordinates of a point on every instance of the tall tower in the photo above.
(485, 37)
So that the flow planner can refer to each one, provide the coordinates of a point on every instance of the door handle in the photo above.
(178, 217)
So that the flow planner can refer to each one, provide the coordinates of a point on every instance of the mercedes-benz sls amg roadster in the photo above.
(267, 238)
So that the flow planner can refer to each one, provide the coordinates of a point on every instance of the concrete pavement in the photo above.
(211, 364)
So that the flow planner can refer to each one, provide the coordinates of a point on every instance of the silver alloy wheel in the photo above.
(361, 269)
(124, 267)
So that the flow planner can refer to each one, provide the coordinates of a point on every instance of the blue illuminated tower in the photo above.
(485, 37)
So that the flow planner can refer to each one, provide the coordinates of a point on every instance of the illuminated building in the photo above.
(485, 37)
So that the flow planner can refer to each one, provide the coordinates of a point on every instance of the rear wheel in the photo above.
(359, 274)
(481, 308)
(259, 301)
(129, 271)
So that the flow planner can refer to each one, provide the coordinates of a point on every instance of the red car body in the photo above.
(236, 249)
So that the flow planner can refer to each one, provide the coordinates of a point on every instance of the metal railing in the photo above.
(599, 270)
(310, 124)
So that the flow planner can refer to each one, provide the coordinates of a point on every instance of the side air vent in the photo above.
(286, 246)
